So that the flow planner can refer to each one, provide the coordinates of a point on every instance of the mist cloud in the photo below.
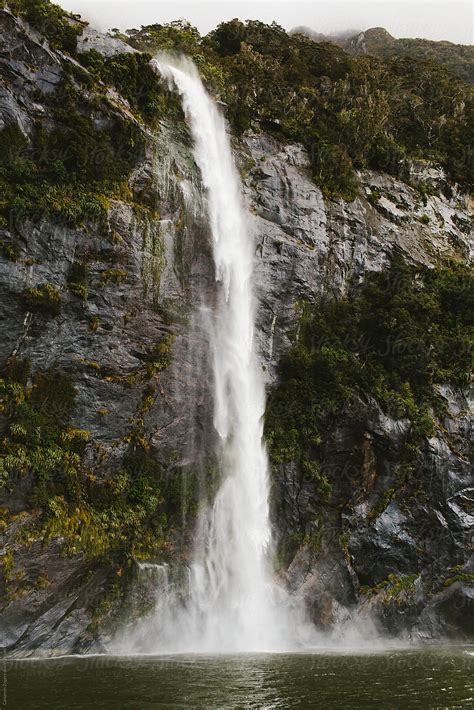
(433, 20)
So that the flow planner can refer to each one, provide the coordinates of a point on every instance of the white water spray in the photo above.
(232, 603)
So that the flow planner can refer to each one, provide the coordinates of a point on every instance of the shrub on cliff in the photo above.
(403, 332)
(44, 298)
(58, 26)
(350, 113)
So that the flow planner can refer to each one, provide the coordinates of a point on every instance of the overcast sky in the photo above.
(451, 20)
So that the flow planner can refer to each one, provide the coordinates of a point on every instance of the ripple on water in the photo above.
(435, 678)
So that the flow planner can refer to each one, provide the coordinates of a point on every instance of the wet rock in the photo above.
(324, 583)
(385, 549)
(448, 614)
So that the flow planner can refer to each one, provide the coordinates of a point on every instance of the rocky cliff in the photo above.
(105, 416)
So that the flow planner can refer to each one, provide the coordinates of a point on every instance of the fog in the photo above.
(418, 18)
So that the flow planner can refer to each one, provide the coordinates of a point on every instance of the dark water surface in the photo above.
(440, 678)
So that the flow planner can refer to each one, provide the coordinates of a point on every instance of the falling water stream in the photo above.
(228, 601)
(232, 604)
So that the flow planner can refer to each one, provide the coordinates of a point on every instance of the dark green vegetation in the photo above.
(118, 514)
(402, 332)
(59, 27)
(349, 112)
(456, 58)
(134, 78)
(67, 171)
(81, 153)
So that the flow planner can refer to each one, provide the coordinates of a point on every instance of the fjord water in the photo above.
(430, 679)
(232, 604)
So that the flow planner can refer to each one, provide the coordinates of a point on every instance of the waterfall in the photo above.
(232, 603)
(226, 600)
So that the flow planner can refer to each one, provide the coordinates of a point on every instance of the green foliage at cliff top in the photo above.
(61, 28)
(457, 58)
(350, 112)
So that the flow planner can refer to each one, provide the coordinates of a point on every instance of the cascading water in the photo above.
(232, 604)
(227, 601)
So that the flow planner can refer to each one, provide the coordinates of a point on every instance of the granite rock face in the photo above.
(105, 45)
(305, 246)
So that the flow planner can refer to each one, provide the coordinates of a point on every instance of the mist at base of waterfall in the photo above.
(174, 626)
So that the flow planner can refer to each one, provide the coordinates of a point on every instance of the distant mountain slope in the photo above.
(457, 58)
